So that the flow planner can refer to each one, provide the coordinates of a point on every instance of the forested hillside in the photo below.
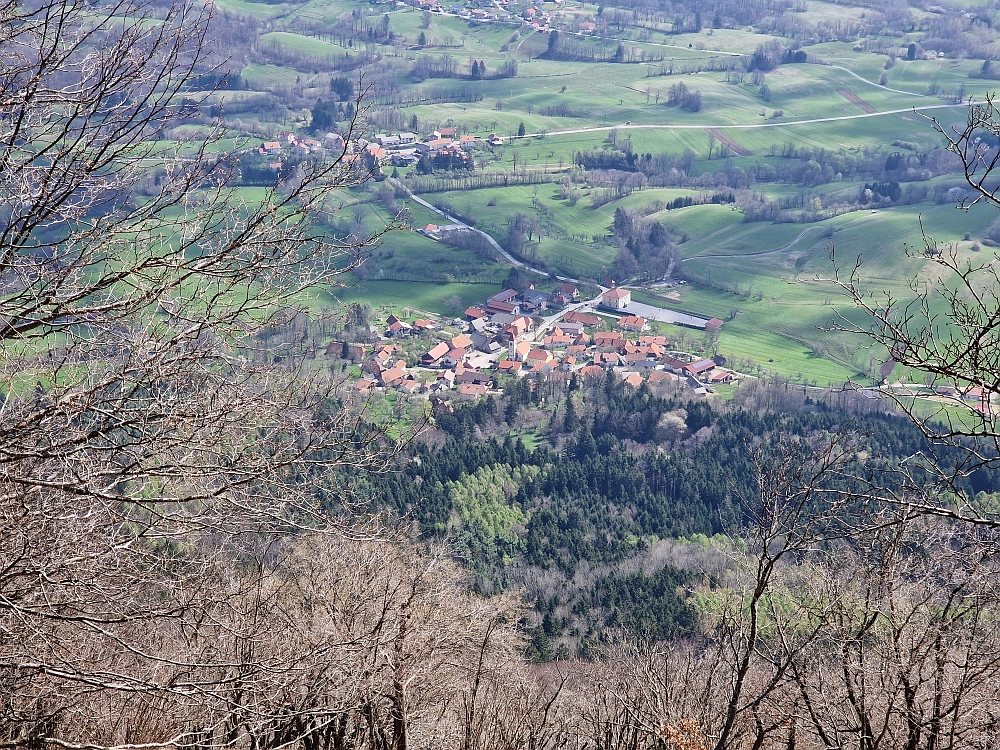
(578, 519)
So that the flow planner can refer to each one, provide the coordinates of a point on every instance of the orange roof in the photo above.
(616, 293)
(438, 351)
(634, 380)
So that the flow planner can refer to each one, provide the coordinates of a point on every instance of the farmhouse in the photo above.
(699, 367)
(435, 354)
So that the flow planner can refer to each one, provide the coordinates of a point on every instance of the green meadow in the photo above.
(764, 278)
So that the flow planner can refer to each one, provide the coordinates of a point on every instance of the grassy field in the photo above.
(395, 296)
(762, 275)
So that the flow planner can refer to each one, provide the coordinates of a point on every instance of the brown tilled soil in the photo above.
(721, 137)
(857, 101)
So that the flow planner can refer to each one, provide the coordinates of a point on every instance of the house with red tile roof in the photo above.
(591, 371)
(454, 357)
(634, 380)
(632, 323)
(435, 354)
(607, 359)
(519, 351)
(538, 357)
(662, 377)
(612, 340)
(397, 327)
(410, 385)
(673, 364)
(392, 376)
(557, 341)
(462, 341)
(588, 319)
(474, 313)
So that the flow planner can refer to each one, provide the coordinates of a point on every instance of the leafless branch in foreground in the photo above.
(151, 443)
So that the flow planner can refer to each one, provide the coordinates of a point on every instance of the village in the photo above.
(534, 334)
(398, 149)
(492, 11)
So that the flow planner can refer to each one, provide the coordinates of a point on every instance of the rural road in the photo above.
(672, 126)
(876, 85)
(496, 246)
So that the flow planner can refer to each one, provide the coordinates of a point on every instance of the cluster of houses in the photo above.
(504, 337)
(399, 149)
(489, 10)
(294, 144)
(402, 149)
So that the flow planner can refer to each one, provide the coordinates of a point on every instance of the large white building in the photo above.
(616, 299)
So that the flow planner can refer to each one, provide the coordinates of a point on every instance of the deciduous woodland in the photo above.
(209, 538)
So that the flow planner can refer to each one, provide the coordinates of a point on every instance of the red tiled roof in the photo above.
(616, 293)
(437, 352)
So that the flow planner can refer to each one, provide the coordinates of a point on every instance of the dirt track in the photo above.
(857, 101)
(727, 141)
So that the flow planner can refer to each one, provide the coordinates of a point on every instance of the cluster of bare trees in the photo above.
(874, 632)
(147, 440)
